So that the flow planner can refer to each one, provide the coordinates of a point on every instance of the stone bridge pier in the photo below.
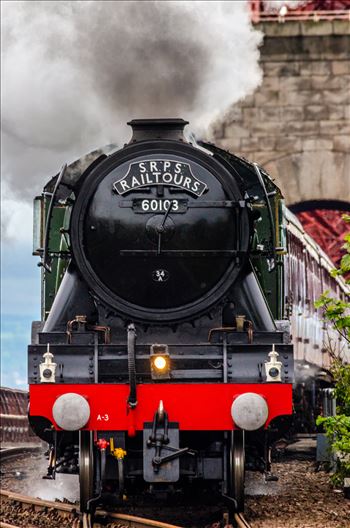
(297, 123)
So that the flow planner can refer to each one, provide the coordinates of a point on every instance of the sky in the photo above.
(73, 73)
(20, 289)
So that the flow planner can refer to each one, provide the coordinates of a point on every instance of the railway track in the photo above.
(9, 452)
(66, 515)
(21, 508)
(25, 510)
(63, 515)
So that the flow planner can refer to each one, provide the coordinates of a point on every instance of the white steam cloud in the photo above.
(74, 73)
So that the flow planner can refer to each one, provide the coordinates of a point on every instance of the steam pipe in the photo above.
(103, 465)
(132, 400)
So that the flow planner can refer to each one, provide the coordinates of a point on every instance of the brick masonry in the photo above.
(297, 123)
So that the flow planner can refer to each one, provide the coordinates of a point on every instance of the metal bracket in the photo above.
(51, 470)
(160, 440)
(176, 453)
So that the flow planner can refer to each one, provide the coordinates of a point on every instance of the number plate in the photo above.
(159, 205)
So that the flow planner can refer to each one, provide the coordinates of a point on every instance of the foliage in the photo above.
(337, 428)
(344, 268)
(337, 312)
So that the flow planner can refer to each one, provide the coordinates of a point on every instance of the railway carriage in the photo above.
(171, 273)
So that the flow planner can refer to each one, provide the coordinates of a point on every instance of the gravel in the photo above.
(302, 498)
(31, 517)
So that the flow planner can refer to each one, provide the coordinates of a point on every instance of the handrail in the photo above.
(45, 263)
(269, 210)
(314, 16)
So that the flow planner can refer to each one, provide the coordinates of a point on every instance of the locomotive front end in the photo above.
(166, 358)
(160, 230)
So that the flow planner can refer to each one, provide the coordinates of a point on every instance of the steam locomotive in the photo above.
(171, 274)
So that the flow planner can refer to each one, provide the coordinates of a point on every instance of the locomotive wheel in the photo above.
(86, 468)
(236, 466)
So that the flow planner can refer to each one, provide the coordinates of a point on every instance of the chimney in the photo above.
(148, 129)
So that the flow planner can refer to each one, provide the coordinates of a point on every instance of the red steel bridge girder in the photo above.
(315, 10)
(327, 228)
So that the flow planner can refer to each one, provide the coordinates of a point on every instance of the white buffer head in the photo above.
(71, 411)
(249, 411)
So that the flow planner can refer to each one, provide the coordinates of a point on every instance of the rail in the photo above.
(131, 521)
(241, 521)
(9, 452)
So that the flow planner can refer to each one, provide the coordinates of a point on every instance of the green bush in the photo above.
(337, 428)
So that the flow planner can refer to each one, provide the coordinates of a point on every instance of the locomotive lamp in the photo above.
(273, 367)
(47, 367)
(160, 362)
